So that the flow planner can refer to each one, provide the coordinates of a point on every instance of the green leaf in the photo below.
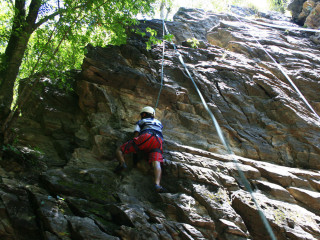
(58, 44)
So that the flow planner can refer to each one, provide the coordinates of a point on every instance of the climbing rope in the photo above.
(225, 143)
(162, 63)
(283, 72)
(244, 180)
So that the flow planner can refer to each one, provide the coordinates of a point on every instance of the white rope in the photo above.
(284, 73)
(245, 182)
(162, 63)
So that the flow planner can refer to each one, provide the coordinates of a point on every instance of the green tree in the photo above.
(165, 5)
(278, 5)
(34, 31)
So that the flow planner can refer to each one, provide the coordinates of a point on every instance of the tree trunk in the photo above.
(22, 28)
(14, 59)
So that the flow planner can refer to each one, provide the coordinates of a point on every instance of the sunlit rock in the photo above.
(63, 186)
(313, 20)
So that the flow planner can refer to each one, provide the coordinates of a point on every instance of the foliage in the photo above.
(153, 38)
(63, 29)
(278, 5)
(6, 15)
(168, 37)
(98, 25)
(50, 36)
(165, 5)
(194, 42)
(213, 5)
(224, 5)
(10, 148)
(254, 8)
(29, 157)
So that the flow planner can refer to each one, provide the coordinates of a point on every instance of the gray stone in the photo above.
(86, 229)
(18, 219)
(273, 134)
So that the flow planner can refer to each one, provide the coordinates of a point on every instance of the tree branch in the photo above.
(12, 3)
(18, 23)
(33, 13)
(51, 16)
(20, 6)
(47, 18)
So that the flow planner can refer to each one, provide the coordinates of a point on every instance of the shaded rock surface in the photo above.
(64, 187)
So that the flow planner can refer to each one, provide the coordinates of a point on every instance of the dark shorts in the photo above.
(153, 142)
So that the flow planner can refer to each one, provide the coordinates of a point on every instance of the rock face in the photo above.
(74, 194)
(306, 12)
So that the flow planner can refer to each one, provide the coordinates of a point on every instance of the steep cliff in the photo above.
(63, 186)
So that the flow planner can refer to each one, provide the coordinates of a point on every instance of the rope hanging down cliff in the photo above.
(162, 63)
(244, 180)
(283, 72)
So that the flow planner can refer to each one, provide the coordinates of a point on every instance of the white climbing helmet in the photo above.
(148, 110)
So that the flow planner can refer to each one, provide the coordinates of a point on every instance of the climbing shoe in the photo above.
(160, 189)
(120, 168)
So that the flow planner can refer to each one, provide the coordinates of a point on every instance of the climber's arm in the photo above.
(135, 134)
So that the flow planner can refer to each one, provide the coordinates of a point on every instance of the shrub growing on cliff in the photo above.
(193, 42)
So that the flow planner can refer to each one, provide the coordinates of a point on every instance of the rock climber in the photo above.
(148, 138)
